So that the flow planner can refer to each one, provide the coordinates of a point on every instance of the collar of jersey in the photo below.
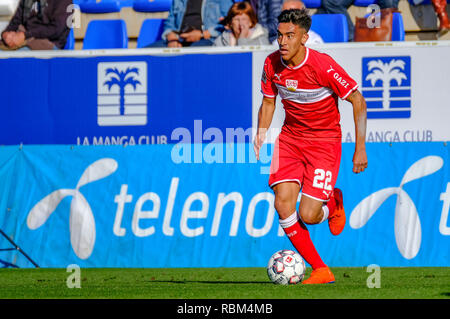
(299, 65)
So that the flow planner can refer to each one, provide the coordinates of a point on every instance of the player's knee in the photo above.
(309, 216)
(283, 205)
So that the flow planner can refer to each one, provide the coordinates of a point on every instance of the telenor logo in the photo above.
(82, 223)
(122, 94)
(408, 232)
(386, 86)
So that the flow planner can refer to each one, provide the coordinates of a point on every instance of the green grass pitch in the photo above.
(219, 283)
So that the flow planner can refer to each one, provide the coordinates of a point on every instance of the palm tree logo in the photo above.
(408, 231)
(386, 72)
(122, 79)
(122, 93)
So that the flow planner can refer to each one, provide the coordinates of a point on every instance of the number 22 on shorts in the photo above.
(322, 179)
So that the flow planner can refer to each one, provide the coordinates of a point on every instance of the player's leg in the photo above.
(318, 203)
(311, 212)
(315, 211)
(286, 194)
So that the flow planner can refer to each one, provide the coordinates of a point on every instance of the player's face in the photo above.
(291, 38)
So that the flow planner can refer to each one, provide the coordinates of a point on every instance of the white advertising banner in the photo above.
(406, 87)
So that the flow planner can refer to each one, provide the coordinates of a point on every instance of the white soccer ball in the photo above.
(286, 267)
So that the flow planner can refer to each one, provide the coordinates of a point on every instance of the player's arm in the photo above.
(360, 118)
(265, 116)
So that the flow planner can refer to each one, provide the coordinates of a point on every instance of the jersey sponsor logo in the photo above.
(291, 85)
(408, 232)
(303, 96)
(386, 86)
(122, 94)
(338, 77)
(340, 80)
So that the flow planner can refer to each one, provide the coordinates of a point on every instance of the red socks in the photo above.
(298, 234)
(331, 204)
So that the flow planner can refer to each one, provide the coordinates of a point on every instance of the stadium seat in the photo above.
(331, 27)
(106, 34)
(126, 3)
(70, 44)
(100, 6)
(398, 29)
(152, 5)
(150, 32)
(363, 3)
(312, 3)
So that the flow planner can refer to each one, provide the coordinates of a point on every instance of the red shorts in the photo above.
(313, 164)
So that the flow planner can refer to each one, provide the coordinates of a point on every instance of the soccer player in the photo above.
(308, 149)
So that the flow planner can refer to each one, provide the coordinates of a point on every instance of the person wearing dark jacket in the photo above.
(38, 25)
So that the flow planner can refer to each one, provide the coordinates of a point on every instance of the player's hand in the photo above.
(258, 142)
(359, 161)
(192, 36)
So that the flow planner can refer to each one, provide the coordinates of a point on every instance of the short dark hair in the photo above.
(298, 17)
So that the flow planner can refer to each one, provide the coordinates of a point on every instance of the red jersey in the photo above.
(309, 93)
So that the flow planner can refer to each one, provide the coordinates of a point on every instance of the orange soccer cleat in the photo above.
(336, 220)
(321, 275)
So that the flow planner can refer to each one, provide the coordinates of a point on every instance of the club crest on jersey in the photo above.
(291, 85)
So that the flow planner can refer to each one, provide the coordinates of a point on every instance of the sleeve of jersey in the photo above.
(268, 88)
(337, 79)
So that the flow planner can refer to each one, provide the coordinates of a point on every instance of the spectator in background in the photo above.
(313, 38)
(37, 25)
(242, 27)
(193, 23)
(268, 12)
(341, 6)
(440, 7)
(255, 4)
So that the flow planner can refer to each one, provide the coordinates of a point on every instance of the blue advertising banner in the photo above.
(156, 206)
(125, 100)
